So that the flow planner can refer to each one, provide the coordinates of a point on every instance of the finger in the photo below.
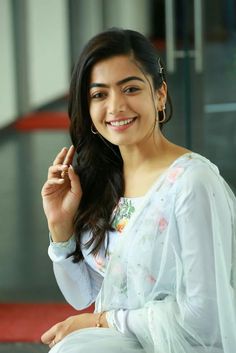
(56, 170)
(52, 343)
(61, 156)
(64, 173)
(48, 186)
(69, 156)
(53, 181)
(68, 161)
(75, 181)
(49, 336)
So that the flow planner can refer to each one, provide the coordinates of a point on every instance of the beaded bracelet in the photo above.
(98, 323)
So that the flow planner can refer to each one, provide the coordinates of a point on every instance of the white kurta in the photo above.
(172, 269)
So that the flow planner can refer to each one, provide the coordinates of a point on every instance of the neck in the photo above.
(144, 155)
(145, 162)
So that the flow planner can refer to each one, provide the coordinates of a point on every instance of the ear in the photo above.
(161, 96)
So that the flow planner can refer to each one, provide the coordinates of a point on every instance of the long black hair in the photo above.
(99, 163)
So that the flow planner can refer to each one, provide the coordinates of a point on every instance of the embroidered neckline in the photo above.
(123, 213)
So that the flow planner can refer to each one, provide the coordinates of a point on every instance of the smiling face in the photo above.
(122, 101)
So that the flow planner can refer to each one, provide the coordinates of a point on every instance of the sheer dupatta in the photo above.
(174, 267)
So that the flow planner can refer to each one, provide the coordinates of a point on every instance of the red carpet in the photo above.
(25, 322)
(42, 120)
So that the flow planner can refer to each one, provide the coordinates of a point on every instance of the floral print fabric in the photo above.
(121, 217)
(122, 213)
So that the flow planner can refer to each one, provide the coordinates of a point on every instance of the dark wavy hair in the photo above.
(99, 163)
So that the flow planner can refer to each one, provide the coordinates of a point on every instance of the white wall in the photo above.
(48, 50)
(131, 14)
(8, 109)
(92, 16)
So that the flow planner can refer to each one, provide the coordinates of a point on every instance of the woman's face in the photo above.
(122, 101)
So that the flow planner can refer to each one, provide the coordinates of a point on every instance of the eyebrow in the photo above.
(124, 80)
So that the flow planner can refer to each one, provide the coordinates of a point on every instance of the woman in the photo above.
(140, 226)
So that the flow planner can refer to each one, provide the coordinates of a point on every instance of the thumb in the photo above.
(48, 336)
(75, 181)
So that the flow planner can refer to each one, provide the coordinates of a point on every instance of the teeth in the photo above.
(120, 123)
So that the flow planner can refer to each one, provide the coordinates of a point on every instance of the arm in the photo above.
(61, 195)
(78, 283)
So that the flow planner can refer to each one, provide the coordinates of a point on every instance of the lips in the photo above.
(121, 122)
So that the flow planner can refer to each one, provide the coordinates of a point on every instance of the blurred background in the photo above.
(40, 41)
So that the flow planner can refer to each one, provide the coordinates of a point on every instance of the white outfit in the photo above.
(92, 270)
(172, 270)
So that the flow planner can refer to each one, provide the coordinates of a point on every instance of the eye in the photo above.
(131, 89)
(97, 95)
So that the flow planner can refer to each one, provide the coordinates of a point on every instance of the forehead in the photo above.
(114, 69)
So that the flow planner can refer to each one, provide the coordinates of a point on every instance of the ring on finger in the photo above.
(64, 173)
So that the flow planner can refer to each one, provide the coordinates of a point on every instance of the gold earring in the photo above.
(163, 111)
(93, 131)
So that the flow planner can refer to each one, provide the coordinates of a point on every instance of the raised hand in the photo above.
(61, 195)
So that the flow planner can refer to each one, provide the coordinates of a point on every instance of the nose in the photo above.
(116, 103)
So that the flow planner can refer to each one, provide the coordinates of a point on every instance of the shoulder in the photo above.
(199, 183)
(195, 179)
(193, 169)
(201, 190)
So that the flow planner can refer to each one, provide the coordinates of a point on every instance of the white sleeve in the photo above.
(78, 282)
(118, 319)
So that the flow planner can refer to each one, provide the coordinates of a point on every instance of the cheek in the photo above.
(144, 101)
(96, 112)
(93, 113)
(145, 107)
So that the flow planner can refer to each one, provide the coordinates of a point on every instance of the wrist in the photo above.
(60, 234)
(100, 319)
